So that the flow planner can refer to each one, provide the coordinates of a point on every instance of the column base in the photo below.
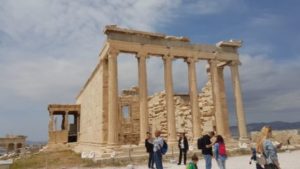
(172, 142)
(112, 145)
(244, 139)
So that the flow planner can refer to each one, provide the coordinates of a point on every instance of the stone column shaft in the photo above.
(66, 121)
(217, 97)
(105, 101)
(194, 97)
(238, 101)
(51, 122)
(169, 99)
(112, 99)
(143, 96)
(224, 106)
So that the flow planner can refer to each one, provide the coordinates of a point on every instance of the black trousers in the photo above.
(258, 166)
(150, 160)
(271, 166)
(182, 151)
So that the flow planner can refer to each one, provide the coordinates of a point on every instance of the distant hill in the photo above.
(276, 125)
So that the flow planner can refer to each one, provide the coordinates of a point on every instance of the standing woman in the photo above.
(183, 146)
(267, 149)
(149, 149)
(220, 152)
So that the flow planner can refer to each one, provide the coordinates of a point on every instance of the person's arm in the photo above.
(209, 143)
(187, 144)
(216, 151)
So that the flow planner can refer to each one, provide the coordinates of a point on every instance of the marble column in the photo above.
(225, 114)
(217, 97)
(169, 98)
(113, 106)
(66, 121)
(194, 97)
(143, 95)
(51, 122)
(63, 122)
(105, 102)
(238, 101)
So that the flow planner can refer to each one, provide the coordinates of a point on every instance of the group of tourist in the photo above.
(265, 153)
(154, 146)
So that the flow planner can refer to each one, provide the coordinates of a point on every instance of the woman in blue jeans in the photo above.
(220, 152)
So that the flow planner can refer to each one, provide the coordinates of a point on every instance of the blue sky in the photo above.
(49, 48)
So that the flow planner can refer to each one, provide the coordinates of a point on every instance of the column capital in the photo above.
(168, 57)
(191, 60)
(142, 55)
(113, 52)
(235, 63)
(51, 112)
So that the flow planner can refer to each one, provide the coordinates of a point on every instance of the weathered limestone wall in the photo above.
(12, 143)
(58, 137)
(129, 126)
(206, 107)
(281, 136)
(183, 115)
(91, 118)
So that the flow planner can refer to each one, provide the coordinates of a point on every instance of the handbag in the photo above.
(261, 159)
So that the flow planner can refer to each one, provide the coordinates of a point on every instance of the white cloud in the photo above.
(270, 87)
(266, 20)
(206, 7)
(49, 48)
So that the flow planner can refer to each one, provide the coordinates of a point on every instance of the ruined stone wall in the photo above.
(281, 136)
(12, 142)
(91, 117)
(129, 128)
(183, 114)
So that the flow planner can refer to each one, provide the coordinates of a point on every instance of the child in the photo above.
(193, 163)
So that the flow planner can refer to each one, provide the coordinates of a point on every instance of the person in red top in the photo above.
(220, 152)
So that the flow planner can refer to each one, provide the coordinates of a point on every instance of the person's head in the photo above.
(211, 134)
(182, 134)
(265, 133)
(148, 135)
(219, 139)
(157, 133)
(195, 158)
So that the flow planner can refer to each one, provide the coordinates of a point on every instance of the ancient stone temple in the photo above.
(99, 120)
(12, 143)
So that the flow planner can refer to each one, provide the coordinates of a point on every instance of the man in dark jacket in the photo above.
(206, 145)
(149, 148)
(183, 146)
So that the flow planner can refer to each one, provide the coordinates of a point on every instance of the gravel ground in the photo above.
(288, 160)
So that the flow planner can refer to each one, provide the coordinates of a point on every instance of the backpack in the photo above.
(222, 150)
(201, 143)
(191, 165)
(164, 148)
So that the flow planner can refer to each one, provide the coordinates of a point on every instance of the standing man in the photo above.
(157, 145)
(149, 148)
(183, 146)
(206, 145)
